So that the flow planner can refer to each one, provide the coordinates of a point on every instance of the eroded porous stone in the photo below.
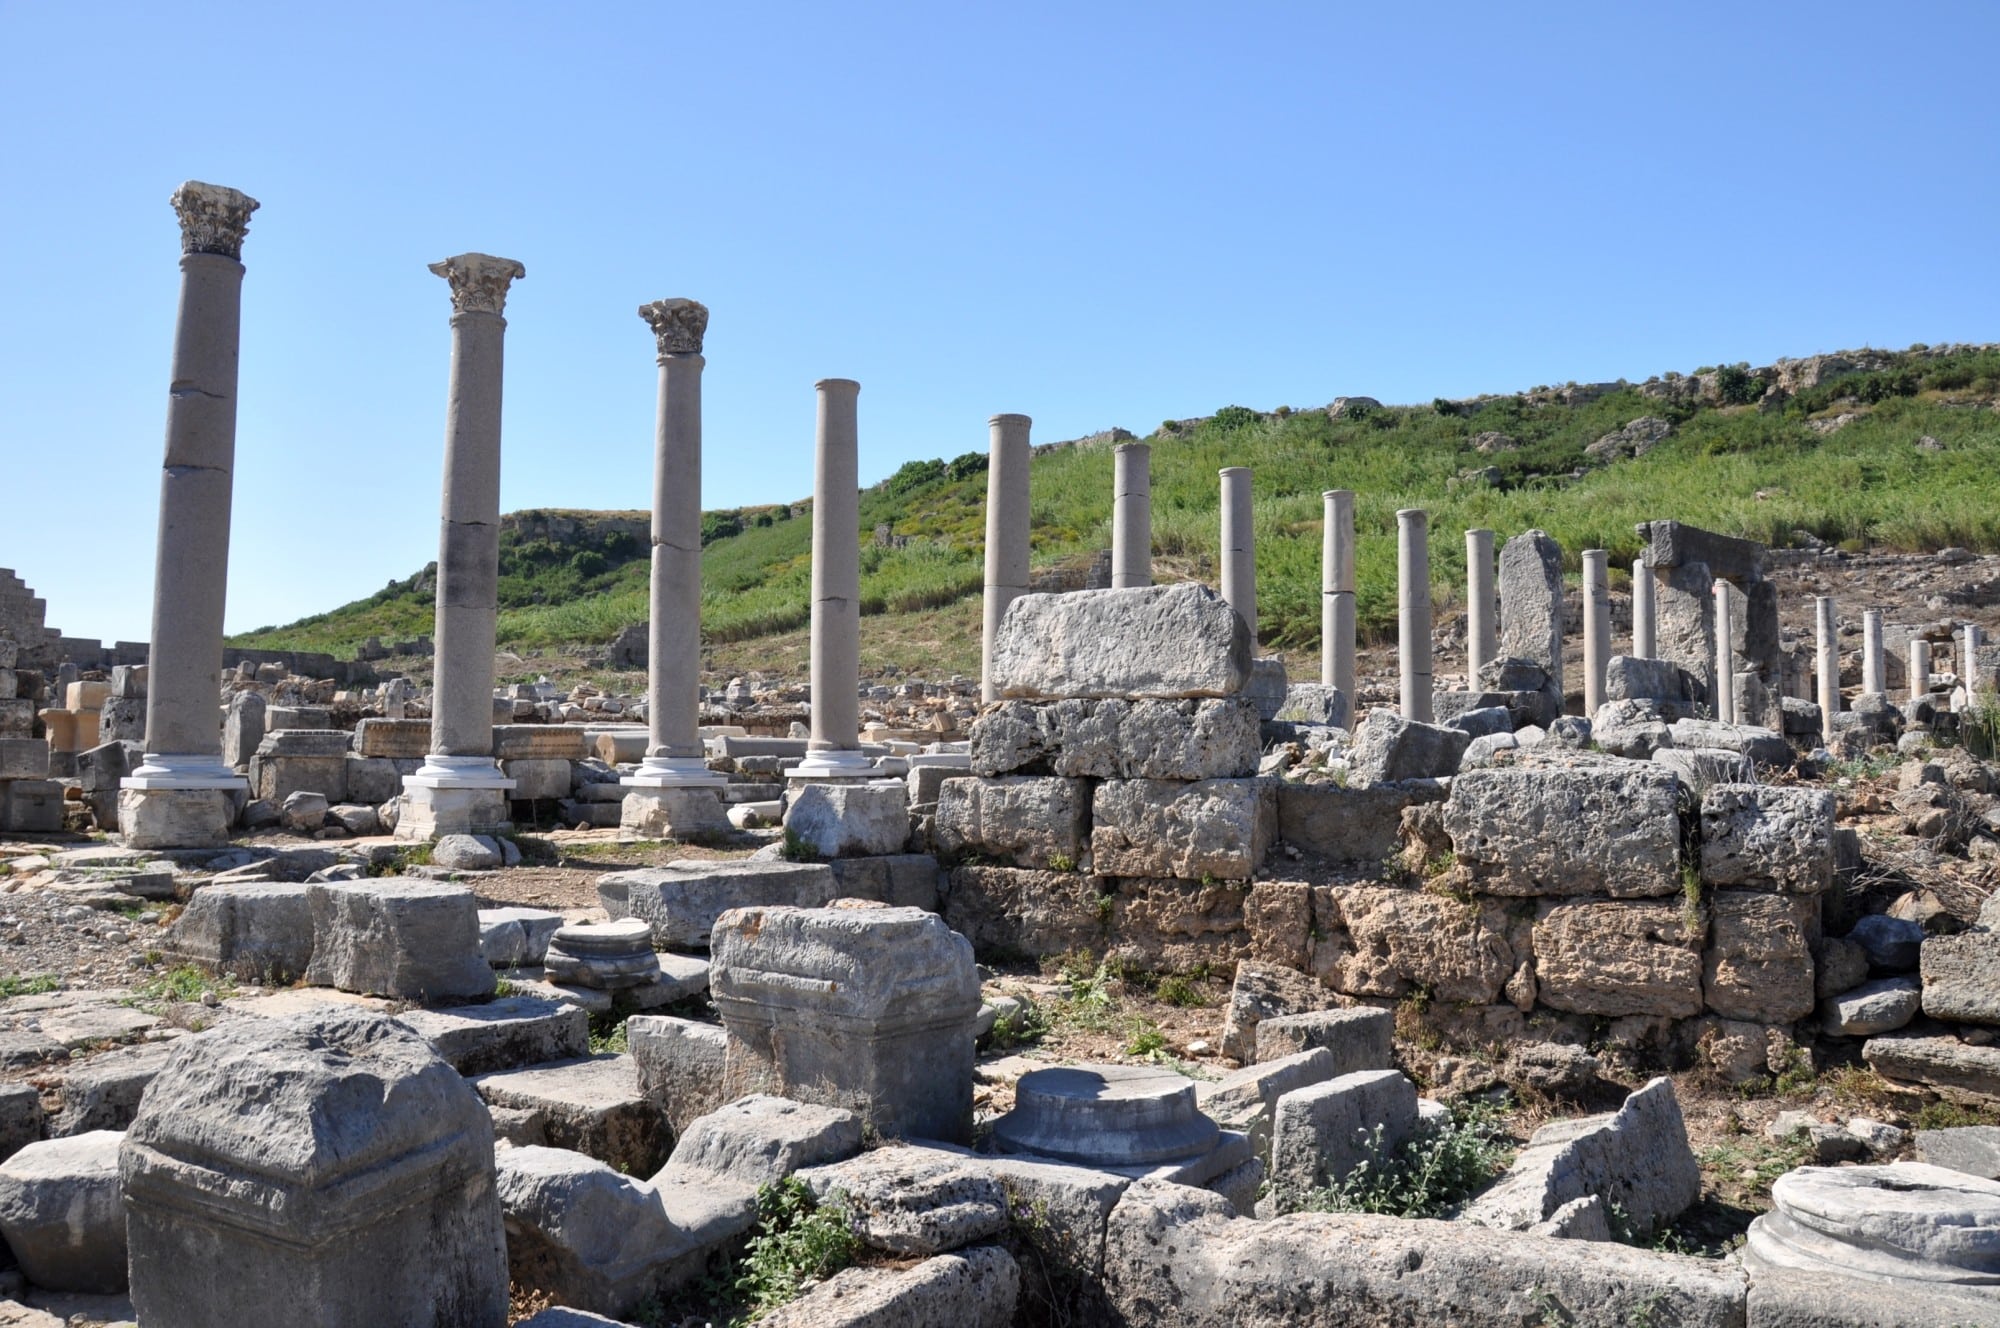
(1610, 829)
(391, 936)
(1351, 825)
(1009, 913)
(62, 1212)
(760, 1138)
(1262, 991)
(1758, 963)
(680, 1065)
(857, 1006)
(908, 1201)
(259, 931)
(591, 1105)
(1385, 941)
(1214, 828)
(1760, 836)
(850, 820)
(334, 1164)
(1619, 958)
(1904, 1222)
(1106, 1115)
(1181, 640)
(682, 900)
(1389, 749)
(1118, 739)
(1961, 977)
(1015, 820)
(970, 1288)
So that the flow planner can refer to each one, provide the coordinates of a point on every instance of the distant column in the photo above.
(1336, 583)
(460, 787)
(1972, 638)
(835, 747)
(1132, 516)
(1873, 680)
(1007, 530)
(1920, 670)
(1829, 664)
(1482, 606)
(1725, 652)
(1645, 642)
(1596, 626)
(1239, 548)
(179, 795)
(1413, 604)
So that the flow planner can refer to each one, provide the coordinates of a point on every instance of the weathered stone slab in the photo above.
(1531, 603)
(680, 1064)
(1320, 1133)
(102, 1093)
(1119, 739)
(1010, 913)
(539, 742)
(1351, 825)
(1359, 1038)
(512, 936)
(1973, 1149)
(1247, 1099)
(1618, 958)
(592, 1105)
(1758, 965)
(1825, 1298)
(969, 1288)
(1609, 829)
(256, 932)
(758, 1139)
(407, 939)
(850, 820)
(1172, 641)
(1961, 977)
(914, 1201)
(683, 899)
(1015, 820)
(1882, 1006)
(405, 739)
(900, 880)
(62, 1212)
(1763, 748)
(1389, 749)
(1760, 836)
(1676, 544)
(1215, 828)
(1178, 926)
(1629, 678)
(1383, 941)
(506, 1034)
(1940, 1063)
(1263, 991)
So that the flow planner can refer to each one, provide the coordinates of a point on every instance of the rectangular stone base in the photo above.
(175, 818)
(432, 813)
(671, 813)
(537, 777)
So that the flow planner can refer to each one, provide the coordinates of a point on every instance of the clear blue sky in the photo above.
(1095, 214)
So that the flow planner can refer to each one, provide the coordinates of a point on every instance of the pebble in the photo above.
(116, 937)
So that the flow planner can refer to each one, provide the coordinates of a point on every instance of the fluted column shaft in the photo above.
(1239, 548)
(1008, 511)
(1132, 516)
(1413, 603)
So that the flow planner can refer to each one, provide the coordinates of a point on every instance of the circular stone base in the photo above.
(1908, 1220)
(604, 955)
(1107, 1115)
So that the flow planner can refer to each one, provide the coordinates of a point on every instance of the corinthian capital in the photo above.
(478, 281)
(213, 217)
(678, 325)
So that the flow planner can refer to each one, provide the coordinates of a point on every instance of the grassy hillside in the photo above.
(1760, 470)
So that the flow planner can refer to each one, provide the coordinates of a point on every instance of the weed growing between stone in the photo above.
(37, 985)
(1428, 1176)
(182, 985)
(798, 1242)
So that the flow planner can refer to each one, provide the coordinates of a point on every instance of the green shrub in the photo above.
(1427, 1176)
(1231, 418)
(799, 1240)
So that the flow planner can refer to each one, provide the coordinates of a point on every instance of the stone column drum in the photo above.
(460, 788)
(1482, 606)
(1007, 510)
(1239, 548)
(1645, 639)
(184, 795)
(1828, 633)
(1873, 679)
(1725, 652)
(1920, 670)
(1413, 611)
(1336, 584)
(1131, 516)
(1596, 626)
(834, 750)
(673, 793)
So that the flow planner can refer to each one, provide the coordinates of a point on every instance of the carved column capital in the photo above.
(679, 325)
(214, 218)
(478, 281)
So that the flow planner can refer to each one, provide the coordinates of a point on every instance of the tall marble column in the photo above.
(1596, 626)
(1827, 632)
(183, 795)
(460, 788)
(1413, 605)
(1132, 516)
(834, 751)
(1007, 532)
(673, 791)
(1920, 670)
(1482, 606)
(1336, 598)
(1239, 548)
(1725, 652)
(1874, 682)
(1645, 620)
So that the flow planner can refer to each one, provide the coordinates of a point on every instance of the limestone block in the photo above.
(1763, 748)
(1629, 678)
(300, 760)
(1118, 739)
(592, 1105)
(1907, 1222)
(1214, 828)
(103, 1092)
(1882, 1006)
(63, 1214)
(683, 899)
(1246, 1099)
(405, 939)
(850, 820)
(1972, 1149)
(663, 813)
(504, 1034)
(256, 932)
(1617, 958)
(24, 758)
(1320, 1133)
(1389, 749)
(1315, 703)
(17, 716)
(1179, 640)
(1961, 977)
(20, 1118)
(426, 813)
(1010, 913)
(1636, 1158)
(539, 742)
(345, 1168)
(1758, 965)
(401, 739)
(1358, 1038)
(969, 1288)
(680, 1064)
(1351, 825)
(913, 1200)
(1610, 829)
(537, 777)
(1702, 768)
(1759, 836)
(863, 1007)
(1941, 1063)
(174, 818)
(1017, 820)
(1178, 926)
(513, 936)
(1531, 603)
(758, 1139)
(1263, 991)
(376, 779)
(1684, 624)
(33, 807)
(1383, 941)
(901, 880)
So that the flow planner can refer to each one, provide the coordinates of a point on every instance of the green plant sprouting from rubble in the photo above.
(36, 984)
(184, 984)
(1426, 1176)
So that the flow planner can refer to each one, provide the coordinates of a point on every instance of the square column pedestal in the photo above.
(454, 795)
(672, 797)
(180, 802)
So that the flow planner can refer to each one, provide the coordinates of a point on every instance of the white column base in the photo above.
(162, 770)
(674, 772)
(832, 763)
(466, 772)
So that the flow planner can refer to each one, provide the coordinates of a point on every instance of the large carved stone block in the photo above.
(1215, 828)
(1018, 820)
(1153, 641)
(1619, 958)
(1590, 829)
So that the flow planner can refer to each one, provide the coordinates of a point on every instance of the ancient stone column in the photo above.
(1644, 620)
(1239, 548)
(1920, 670)
(1007, 509)
(1336, 599)
(1132, 516)
(184, 795)
(1482, 606)
(1873, 681)
(1828, 633)
(460, 788)
(1413, 611)
(1725, 652)
(1596, 626)
(834, 751)
(1971, 637)
(673, 791)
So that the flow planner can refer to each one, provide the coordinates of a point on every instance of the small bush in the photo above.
(799, 1241)
(1427, 1176)
(37, 985)
(1231, 418)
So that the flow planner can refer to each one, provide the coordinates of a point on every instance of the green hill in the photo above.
(1895, 450)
